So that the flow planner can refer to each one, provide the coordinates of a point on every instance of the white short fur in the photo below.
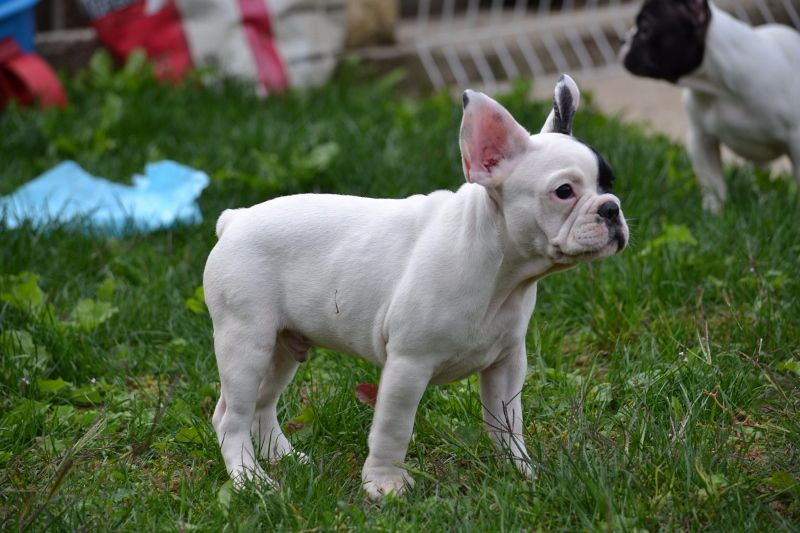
(745, 95)
(432, 288)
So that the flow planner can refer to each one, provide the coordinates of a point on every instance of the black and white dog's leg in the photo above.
(704, 153)
(501, 391)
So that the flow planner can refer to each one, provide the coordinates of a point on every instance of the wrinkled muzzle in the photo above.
(597, 228)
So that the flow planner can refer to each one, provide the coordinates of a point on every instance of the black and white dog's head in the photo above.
(668, 41)
(552, 191)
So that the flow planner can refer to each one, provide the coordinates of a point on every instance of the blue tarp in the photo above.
(164, 196)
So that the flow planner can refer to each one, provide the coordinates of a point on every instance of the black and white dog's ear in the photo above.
(565, 102)
(698, 10)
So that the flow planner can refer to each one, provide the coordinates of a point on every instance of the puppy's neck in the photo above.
(721, 70)
(492, 254)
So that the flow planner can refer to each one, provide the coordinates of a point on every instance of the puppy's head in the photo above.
(553, 190)
(668, 40)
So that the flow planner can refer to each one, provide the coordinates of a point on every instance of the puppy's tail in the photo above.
(223, 220)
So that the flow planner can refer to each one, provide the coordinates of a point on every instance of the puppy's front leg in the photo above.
(401, 387)
(501, 391)
(704, 152)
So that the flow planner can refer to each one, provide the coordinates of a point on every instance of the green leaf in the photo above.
(715, 484)
(101, 67)
(89, 314)
(63, 412)
(52, 386)
(672, 235)
(105, 292)
(5, 456)
(17, 342)
(23, 412)
(224, 495)
(24, 292)
(600, 393)
(129, 271)
(790, 365)
(19, 345)
(179, 345)
(301, 421)
(53, 445)
(87, 395)
(320, 157)
(197, 303)
(784, 481)
(195, 306)
(189, 435)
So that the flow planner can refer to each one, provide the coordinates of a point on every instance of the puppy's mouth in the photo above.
(619, 238)
(617, 241)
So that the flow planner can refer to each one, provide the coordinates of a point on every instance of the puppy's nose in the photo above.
(609, 211)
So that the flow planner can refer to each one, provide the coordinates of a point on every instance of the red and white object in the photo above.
(275, 43)
(27, 78)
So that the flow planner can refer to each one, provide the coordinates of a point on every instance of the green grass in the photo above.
(662, 390)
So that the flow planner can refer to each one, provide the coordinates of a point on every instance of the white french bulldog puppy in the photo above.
(431, 288)
(742, 84)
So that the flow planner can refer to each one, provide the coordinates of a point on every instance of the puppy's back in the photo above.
(787, 39)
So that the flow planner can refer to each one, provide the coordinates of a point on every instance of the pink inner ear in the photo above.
(490, 162)
(490, 141)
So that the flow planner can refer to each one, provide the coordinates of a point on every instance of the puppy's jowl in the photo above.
(431, 288)
(741, 84)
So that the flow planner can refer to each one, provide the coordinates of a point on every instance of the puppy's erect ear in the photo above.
(489, 136)
(698, 10)
(566, 98)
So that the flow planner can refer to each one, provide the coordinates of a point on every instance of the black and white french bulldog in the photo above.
(742, 84)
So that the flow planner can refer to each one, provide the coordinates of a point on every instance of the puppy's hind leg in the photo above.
(242, 358)
(794, 153)
(271, 443)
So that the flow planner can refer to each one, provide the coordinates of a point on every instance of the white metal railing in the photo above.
(474, 41)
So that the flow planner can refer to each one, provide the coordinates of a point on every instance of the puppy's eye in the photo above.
(564, 192)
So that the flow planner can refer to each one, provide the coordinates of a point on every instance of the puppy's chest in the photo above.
(482, 345)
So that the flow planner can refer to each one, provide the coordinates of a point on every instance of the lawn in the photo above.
(662, 388)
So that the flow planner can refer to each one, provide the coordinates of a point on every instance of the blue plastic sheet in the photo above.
(164, 196)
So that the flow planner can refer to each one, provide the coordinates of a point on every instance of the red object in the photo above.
(159, 34)
(367, 393)
(171, 34)
(258, 29)
(27, 78)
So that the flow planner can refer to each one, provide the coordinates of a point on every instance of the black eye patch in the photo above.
(605, 175)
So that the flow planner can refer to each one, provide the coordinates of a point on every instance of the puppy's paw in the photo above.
(273, 445)
(253, 476)
(712, 204)
(379, 482)
(524, 467)
(293, 454)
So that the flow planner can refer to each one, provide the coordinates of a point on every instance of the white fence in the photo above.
(463, 42)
